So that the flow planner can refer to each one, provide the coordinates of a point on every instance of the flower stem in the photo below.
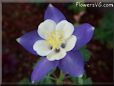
(80, 81)
(60, 79)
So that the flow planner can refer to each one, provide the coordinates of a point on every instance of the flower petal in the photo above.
(56, 55)
(42, 68)
(54, 14)
(28, 39)
(84, 34)
(42, 47)
(70, 43)
(46, 27)
(66, 28)
(72, 64)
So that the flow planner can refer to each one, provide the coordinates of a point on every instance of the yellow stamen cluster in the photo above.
(55, 39)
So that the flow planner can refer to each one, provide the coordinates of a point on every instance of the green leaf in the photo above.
(75, 80)
(59, 81)
(82, 80)
(46, 80)
(24, 81)
(87, 81)
(104, 31)
(86, 53)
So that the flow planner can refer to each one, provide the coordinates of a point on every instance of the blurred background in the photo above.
(20, 18)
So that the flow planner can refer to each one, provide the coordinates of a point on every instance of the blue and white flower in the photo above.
(58, 42)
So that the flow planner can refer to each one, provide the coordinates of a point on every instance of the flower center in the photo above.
(55, 39)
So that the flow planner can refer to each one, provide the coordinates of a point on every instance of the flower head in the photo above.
(58, 41)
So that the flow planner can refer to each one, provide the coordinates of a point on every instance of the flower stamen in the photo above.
(55, 39)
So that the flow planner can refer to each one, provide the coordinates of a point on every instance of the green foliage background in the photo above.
(104, 31)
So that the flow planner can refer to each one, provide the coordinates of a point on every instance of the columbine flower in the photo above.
(58, 42)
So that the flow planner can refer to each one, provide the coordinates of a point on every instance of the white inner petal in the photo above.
(42, 47)
(66, 28)
(50, 31)
(56, 55)
(70, 43)
(46, 27)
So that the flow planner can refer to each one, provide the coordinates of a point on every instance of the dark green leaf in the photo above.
(81, 80)
(24, 81)
(87, 81)
(46, 80)
(104, 31)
